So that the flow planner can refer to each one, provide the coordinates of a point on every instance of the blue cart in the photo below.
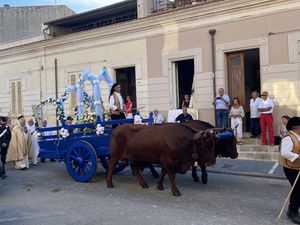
(80, 151)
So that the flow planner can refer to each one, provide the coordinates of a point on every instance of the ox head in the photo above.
(225, 143)
(204, 147)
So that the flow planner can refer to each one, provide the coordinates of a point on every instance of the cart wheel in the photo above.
(105, 163)
(81, 161)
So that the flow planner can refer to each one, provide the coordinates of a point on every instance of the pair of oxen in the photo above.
(175, 147)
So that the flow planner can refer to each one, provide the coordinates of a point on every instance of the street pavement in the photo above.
(256, 168)
(238, 192)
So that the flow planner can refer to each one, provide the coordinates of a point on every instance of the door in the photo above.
(236, 76)
(126, 78)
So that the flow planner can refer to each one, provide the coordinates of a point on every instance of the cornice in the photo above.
(154, 25)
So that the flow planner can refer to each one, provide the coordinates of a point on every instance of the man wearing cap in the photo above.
(5, 137)
(20, 145)
(290, 160)
(157, 117)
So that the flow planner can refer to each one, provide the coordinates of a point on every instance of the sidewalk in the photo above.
(256, 168)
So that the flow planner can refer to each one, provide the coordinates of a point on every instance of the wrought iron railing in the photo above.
(162, 5)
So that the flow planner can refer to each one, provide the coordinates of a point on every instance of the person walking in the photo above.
(266, 107)
(221, 104)
(254, 115)
(289, 158)
(236, 116)
(5, 136)
(20, 145)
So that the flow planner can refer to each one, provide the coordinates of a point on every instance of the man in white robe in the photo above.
(35, 148)
(20, 145)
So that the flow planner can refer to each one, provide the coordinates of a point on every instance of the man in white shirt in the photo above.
(289, 151)
(157, 117)
(254, 115)
(265, 108)
(116, 103)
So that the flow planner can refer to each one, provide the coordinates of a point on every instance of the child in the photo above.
(128, 108)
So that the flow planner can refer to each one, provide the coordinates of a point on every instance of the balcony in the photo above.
(164, 5)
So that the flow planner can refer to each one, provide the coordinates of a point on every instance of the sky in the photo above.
(77, 5)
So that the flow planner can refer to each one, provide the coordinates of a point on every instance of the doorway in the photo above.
(126, 77)
(243, 77)
(184, 76)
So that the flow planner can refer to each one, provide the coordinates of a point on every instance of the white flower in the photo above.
(36, 134)
(64, 133)
(138, 119)
(99, 129)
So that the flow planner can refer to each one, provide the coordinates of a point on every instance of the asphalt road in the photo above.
(47, 195)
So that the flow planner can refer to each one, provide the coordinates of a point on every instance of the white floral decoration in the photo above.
(137, 119)
(99, 129)
(64, 133)
(37, 134)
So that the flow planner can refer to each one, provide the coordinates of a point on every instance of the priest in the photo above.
(20, 145)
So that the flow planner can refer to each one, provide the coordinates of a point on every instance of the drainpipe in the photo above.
(56, 87)
(213, 55)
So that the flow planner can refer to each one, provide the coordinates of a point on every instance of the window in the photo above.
(16, 97)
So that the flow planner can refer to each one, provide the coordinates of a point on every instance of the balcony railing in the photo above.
(162, 5)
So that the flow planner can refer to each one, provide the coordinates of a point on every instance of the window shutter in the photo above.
(16, 97)
(19, 97)
(13, 98)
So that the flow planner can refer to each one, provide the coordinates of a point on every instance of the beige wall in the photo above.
(151, 44)
(278, 76)
(112, 56)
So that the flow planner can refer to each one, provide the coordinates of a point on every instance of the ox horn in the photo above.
(198, 135)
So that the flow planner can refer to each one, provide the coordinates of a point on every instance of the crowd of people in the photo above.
(18, 144)
(261, 117)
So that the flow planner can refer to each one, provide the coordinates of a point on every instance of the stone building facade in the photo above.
(256, 47)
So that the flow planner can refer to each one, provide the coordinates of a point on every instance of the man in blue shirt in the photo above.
(184, 116)
(221, 104)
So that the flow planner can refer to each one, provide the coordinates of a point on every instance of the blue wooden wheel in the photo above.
(81, 161)
(105, 163)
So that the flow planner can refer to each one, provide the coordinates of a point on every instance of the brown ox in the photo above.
(225, 147)
(175, 147)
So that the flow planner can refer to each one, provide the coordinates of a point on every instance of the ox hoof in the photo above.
(176, 193)
(196, 178)
(155, 175)
(204, 179)
(110, 185)
(145, 186)
(160, 187)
